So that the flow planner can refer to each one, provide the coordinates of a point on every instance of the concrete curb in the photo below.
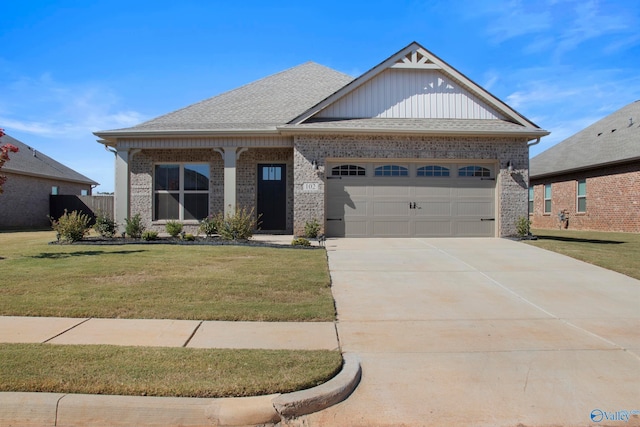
(51, 409)
(335, 390)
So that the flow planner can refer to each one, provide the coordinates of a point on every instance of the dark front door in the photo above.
(272, 196)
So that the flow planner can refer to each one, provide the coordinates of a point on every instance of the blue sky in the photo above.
(69, 68)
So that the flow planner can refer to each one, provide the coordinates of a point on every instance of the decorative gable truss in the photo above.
(416, 59)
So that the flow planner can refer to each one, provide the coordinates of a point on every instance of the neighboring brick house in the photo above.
(592, 178)
(31, 178)
(410, 148)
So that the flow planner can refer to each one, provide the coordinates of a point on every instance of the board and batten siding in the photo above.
(411, 93)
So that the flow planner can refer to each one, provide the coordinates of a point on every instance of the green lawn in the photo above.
(153, 371)
(615, 251)
(162, 281)
(159, 282)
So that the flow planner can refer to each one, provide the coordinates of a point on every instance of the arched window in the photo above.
(433, 170)
(348, 170)
(392, 170)
(478, 171)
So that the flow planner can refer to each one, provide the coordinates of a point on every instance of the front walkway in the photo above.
(482, 332)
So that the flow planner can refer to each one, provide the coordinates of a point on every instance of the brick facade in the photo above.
(511, 188)
(612, 199)
(25, 201)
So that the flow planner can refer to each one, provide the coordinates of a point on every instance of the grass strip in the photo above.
(614, 251)
(162, 281)
(154, 371)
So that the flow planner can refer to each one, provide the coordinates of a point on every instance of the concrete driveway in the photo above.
(483, 332)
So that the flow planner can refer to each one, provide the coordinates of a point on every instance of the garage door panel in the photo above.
(474, 208)
(480, 191)
(390, 208)
(391, 228)
(433, 228)
(433, 208)
(391, 190)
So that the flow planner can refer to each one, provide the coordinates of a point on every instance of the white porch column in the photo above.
(121, 197)
(230, 155)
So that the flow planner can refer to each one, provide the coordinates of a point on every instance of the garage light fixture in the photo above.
(509, 167)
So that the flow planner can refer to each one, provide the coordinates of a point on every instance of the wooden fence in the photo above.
(90, 205)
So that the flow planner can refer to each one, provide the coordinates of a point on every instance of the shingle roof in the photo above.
(261, 105)
(613, 139)
(431, 126)
(28, 161)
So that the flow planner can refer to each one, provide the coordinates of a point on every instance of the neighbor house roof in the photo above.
(613, 139)
(28, 161)
(257, 106)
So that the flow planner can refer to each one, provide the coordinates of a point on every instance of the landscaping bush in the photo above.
(300, 241)
(71, 226)
(105, 226)
(188, 237)
(209, 226)
(173, 228)
(149, 235)
(239, 226)
(523, 226)
(134, 227)
(311, 229)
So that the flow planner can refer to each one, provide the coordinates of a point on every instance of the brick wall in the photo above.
(613, 199)
(25, 201)
(512, 188)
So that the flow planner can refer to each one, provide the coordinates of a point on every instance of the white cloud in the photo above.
(47, 108)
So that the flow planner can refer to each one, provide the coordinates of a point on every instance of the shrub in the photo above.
(134, 227)
(300, 241)
(71, 226)
(149, 235)
(311, 229)
(188, 237)
(209, 226)
(239, 226)
(173, 228)
(105, 226)
(523, 226)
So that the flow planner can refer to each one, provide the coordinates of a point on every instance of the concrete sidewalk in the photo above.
(170, 333)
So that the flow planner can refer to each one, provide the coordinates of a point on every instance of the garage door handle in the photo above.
(487, 179)
(334, 219)
(487, 219)
(334, 177)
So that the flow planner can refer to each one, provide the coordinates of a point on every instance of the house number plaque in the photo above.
(310, 187)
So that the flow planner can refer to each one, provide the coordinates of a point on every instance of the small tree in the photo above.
(4, 157)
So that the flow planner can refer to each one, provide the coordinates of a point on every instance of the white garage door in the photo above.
(410, 200)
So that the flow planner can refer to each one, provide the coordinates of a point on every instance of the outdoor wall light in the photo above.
(314, 164)
(509, 167)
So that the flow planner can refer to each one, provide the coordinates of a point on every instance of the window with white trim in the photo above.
(582, 195)
(547, 198)
(391, 170)
(433, 171)
(181, 191)
(531, 193)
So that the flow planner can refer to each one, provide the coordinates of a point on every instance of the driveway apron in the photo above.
(483, 332)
